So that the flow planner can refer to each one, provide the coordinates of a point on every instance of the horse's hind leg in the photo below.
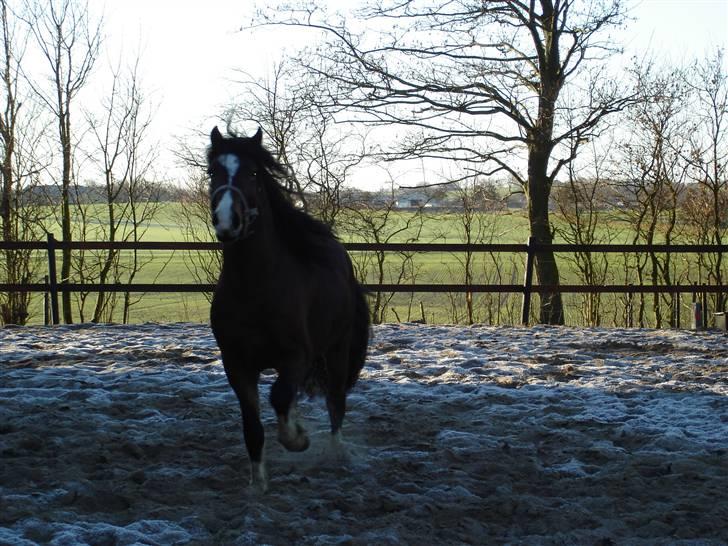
(336, 404)
(283, 394)
(336, 372)
(245, 386)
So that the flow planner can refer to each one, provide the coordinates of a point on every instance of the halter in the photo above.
(249, 213)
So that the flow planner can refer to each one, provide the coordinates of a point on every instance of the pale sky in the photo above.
(190, 48)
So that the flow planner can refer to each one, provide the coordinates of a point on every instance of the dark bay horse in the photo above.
(286, 298)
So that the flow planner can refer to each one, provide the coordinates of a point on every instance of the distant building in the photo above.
(416, 198)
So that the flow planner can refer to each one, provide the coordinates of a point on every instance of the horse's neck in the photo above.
(253, 257)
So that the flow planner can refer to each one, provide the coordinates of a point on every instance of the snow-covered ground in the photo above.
(484, 435)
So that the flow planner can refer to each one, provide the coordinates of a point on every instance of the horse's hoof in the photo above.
(298, 443)
(293, 440)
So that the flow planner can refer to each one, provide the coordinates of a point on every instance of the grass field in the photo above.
(505, 227)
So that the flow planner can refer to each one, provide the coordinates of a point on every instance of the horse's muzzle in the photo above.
(227, 236)
(239, 228)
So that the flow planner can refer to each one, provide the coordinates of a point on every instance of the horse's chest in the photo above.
(252, 341)
(282, 317)
(252, 329)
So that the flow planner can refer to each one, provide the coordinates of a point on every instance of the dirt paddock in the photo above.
(121, 435)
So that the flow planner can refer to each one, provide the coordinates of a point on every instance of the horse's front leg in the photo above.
(245, 385)
(283, 395)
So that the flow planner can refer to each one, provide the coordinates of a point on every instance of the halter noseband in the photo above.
(249, 213)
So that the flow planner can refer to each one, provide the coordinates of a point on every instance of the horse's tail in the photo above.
(359, 336)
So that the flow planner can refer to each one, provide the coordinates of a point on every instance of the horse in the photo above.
(286, 298)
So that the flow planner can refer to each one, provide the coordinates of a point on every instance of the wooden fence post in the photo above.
(678, 302)
(53, 279)
(630, 295)
(46, 304)
(527, 283)
(696, 310)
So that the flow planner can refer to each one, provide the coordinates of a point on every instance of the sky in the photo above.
(190, 50)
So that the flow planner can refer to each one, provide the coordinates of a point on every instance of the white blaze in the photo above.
(231, 164)
(224, 212)
(224, 209)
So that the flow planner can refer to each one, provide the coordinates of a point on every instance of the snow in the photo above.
(455, 435)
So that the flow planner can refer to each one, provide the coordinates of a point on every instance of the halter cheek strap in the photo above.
(249, 213)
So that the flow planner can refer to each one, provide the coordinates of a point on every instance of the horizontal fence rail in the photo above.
(53, 286)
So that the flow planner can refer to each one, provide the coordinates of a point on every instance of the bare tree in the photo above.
(14, 306)
(69, 42)
(654, 174)
(120, 154)
(106, 153)
(583, 202)
(381, 223)
(479, 82)
(193, 214)
(326, 162)
(143, 192)
(475, 218)
(194, 217)
(272, 105)
(20, 210)
(318, 154)
(707, 206)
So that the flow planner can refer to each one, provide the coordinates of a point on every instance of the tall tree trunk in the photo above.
(540, 146)
(547, 272)
(66, 231)
(15, 219)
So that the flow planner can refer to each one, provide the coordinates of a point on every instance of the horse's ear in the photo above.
(258, 136)
(215, 136)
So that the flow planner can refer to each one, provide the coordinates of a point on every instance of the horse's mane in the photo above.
(304, 236)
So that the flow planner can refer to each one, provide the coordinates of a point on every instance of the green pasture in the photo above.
(420, 268)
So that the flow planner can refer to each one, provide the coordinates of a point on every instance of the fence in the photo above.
(52, 287)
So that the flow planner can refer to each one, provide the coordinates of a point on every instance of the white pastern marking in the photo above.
(259, 476)
(337, 451)
(224, 212)
(231, 164)
(291, 433)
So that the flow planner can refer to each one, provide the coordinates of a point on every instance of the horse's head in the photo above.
(234, 186)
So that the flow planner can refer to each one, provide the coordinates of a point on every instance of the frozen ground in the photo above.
(130, 435)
